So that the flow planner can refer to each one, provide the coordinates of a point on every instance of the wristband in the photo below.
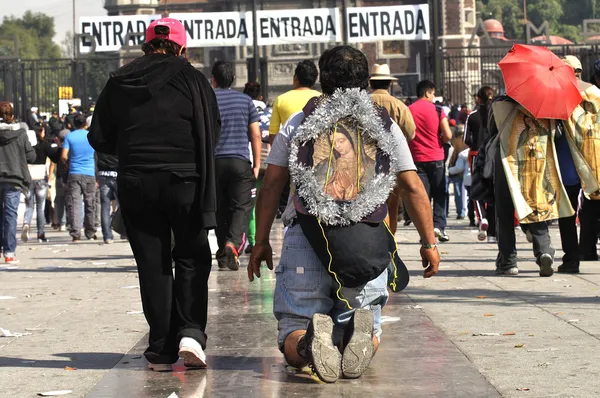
(428, 245)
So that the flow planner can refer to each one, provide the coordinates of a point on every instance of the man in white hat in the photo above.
(380, 82)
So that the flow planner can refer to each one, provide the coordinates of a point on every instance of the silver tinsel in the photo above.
(355, 104)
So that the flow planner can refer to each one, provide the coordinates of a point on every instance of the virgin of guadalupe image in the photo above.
(587, 137)
(344, 162)
(534, 166)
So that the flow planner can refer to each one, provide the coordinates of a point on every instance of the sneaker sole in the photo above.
(233, 262)
(508, 272)
(326, 358)
(546, 266)
(192, 358)
(359, 351)
(25, 236)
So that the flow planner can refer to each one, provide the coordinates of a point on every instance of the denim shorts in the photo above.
(304, 287)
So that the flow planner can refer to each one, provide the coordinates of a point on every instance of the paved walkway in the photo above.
(464, 333)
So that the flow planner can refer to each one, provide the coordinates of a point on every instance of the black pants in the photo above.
(470, 205)
(505, 226)
(490, 214)
(433, 176)
(153, 205)
(590, 226)
(568, 230)
(235, 182)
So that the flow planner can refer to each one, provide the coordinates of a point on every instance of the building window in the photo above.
(469, 18)
(392, 49)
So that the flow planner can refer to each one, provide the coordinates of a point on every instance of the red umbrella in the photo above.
(540, 81)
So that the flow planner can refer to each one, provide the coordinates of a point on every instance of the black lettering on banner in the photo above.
(373, 15)
(220, 30)
(385, 23)
(330, 26)
(243, 29)
(308, 30)
(198, 23)
(264, 27)
(130, 30)
(118, 32)
(364, 25)
(230, 29)
(296, 27)
(284, 21)
(106, 25)
(352, 24)
(97, 32)
(84, 29)
(398, 30)
(409, 22)
(208, 27)
(189, 27)
(141, 28)
(275, 28)
(421, 23)
(318, 26)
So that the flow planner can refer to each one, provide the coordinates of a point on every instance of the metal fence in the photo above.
(465, 70)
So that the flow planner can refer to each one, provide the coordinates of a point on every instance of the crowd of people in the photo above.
(182, 155)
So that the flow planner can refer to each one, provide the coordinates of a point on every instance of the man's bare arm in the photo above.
(256, 144)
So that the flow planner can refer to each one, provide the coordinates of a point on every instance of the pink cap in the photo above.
(176, 34)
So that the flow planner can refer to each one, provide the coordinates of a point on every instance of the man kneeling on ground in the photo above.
(344, 155)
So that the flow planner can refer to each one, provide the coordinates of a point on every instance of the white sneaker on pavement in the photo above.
(192, 353)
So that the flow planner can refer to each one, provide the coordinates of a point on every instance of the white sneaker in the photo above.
(192, 353)
(25, 233)
(492, 239)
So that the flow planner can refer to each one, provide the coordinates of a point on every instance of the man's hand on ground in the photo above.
(431, 261)
(260, 253)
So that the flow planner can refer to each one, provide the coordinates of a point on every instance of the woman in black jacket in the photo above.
(38, 189)
(15, 152)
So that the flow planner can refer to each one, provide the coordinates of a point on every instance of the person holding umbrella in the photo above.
(541, 91)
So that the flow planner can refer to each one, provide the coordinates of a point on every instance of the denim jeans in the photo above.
(303, 287)
(433, 176)
(38, 191)
(9, 205)
(108, 192)
(458, 194)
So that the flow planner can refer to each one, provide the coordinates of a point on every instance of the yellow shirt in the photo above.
(287, 104)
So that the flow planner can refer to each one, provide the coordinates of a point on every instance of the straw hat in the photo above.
(573, 62)
(381, 72)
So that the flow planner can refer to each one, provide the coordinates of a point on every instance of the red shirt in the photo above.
(427, 145)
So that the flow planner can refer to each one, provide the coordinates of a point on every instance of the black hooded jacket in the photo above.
(15, 153)
(159, 113)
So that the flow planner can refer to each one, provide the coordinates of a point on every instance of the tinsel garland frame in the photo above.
(356, 104)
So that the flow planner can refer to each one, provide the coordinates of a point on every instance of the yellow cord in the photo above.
(393, 283)
(358, 161)
(330, 157)
(339, 289)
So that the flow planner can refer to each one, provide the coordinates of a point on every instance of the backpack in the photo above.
(342, 163)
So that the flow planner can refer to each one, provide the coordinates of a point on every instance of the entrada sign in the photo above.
(219, 29)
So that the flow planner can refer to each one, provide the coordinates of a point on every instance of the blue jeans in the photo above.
(9, 205)
(38, 191)
(303, 287)
(108, 192)
(458, 193)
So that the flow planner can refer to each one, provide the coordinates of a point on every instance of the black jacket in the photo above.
(44, 150)
(159, 113)
(106, 162)
(15, 153)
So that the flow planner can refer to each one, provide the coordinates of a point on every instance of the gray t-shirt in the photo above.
(280, 154)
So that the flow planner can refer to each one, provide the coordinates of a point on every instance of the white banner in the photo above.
(366, 24)
(221, 29)
(320, 25)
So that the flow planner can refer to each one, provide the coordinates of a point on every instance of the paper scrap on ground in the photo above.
(542, 349)
(573, 320)
(99, 263)
(51, 267)
(8, 333)
(131, 287)
(54, 393)
(135, 312)
(486, 334)
(389, 319)
(7, 297)
(70, 368)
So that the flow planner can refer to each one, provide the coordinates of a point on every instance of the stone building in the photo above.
(408, 60)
